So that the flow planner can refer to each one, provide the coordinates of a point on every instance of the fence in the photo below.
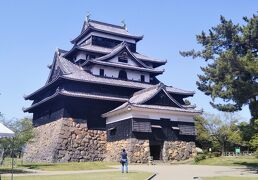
(243, 153)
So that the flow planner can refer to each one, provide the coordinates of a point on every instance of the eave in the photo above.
(76, 95)
(124, 66)
(30, 96)
(152, 109)
(90, 28)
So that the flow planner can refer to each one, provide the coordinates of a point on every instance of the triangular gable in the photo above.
(156, 95)
(162, 98)
(122, 51)
(56, 68)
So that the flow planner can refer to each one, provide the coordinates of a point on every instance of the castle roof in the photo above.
(105, 50)
(65, 71)
(139, 99)
(71, 71)
(103, 60)
(63, 92)
(92, 25)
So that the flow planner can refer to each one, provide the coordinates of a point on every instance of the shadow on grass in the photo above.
(36, 166)
(15, 171)
(251, 166)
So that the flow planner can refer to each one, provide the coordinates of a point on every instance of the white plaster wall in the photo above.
(173, 116)
(114, 72)
(80, 55)
(136, 76)
(108, 71)
(130, 61)
(119, 117)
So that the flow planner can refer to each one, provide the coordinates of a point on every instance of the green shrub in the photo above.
(199, 157)
(256, 153)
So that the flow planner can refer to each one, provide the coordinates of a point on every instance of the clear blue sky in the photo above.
(30, 31)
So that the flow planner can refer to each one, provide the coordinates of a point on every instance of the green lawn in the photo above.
(72, 166)
(90, 176)
(229, 178)
(231, 161)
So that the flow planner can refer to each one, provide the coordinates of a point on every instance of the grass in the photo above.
(90, 176)
(72, 166)
(20, 167)
(250, 161)
(229, 178)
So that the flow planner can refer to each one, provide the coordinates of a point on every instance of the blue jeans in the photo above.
(124, 164)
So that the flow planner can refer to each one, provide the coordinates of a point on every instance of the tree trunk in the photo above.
(2, 157)
(223, 148)
(253, 107)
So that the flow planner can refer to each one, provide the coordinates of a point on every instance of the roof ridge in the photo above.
(166, 86)
(108, 24)
(116, 50)
(145, 90)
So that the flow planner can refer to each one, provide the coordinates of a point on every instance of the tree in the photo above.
(203, 136)
(221, 132)
(231, 74)
(254, 139)
(23, 133)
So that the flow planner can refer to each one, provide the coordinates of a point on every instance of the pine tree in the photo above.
(231, 74)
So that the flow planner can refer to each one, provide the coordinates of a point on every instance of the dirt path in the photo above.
(188, 172)
(167, 172)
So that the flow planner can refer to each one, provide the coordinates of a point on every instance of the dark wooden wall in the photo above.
(123, 130)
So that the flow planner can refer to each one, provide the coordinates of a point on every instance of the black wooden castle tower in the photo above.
(106, 82)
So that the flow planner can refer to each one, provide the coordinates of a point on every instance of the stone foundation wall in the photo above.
(77, 143)
(178, 150)
(42, 147)
(138, 151)
(66, 140)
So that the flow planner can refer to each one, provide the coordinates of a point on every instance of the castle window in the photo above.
(92, 57)
(112, 131)
(101, 72)
(122, 75)
(142, 78)
(123, 58)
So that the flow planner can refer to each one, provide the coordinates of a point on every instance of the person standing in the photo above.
(124, 161)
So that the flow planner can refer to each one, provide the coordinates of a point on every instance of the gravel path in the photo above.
(188, 172)
(167, 172)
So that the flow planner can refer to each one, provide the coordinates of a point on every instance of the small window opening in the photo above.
(112, 131)
(101, 72)
(122, 74)
(142, 78)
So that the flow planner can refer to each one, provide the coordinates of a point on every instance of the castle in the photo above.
(102, 96)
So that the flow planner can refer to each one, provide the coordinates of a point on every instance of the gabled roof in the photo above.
(104, 60)
(76, 73)
(145, 95)
(105, 50)
(57, 66)
(121, 47)
(124, 66)
(138, 100)
(97, 26)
